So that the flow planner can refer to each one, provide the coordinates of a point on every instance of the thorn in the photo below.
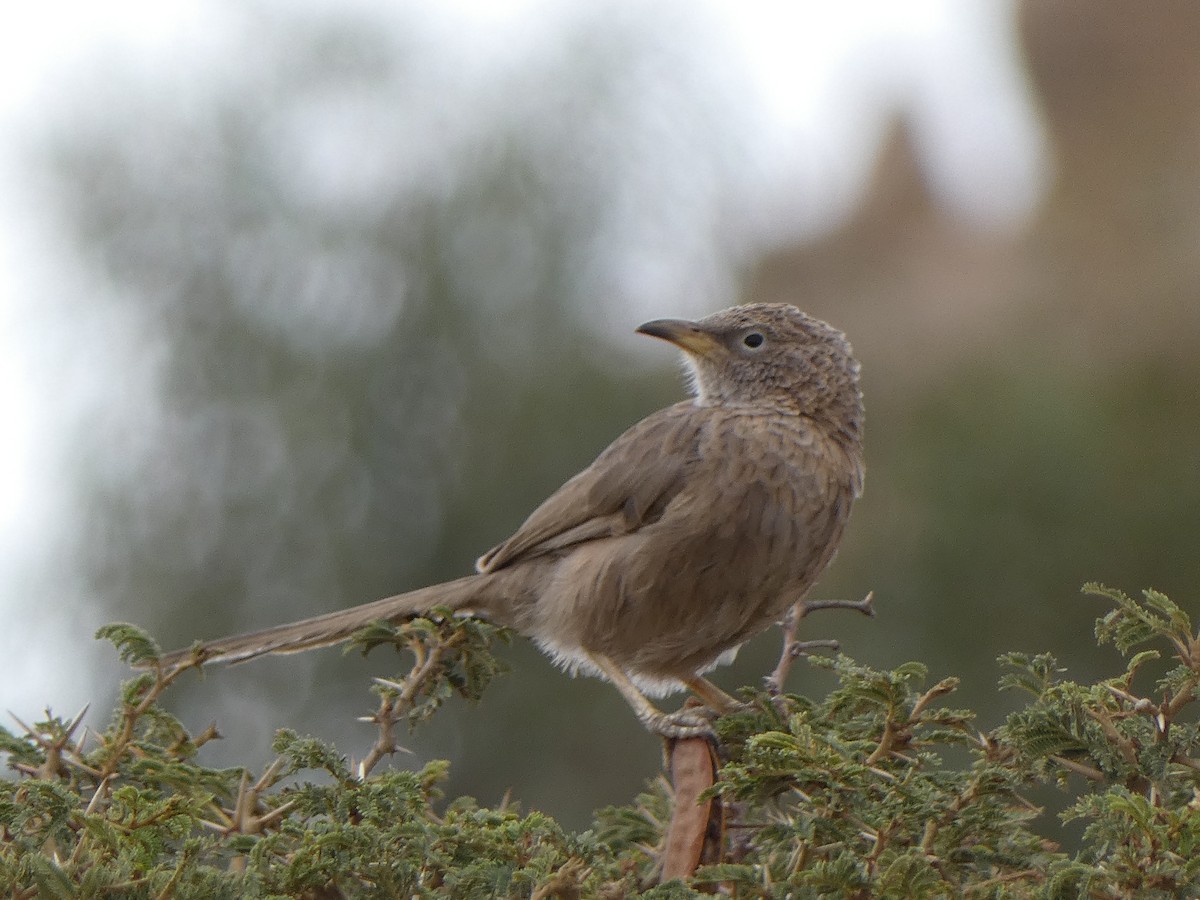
(277, 813)
(94, 802)
(79, 764)
(29, 731)
(211, 733)
(268, 777)
(228, 826)
(77, 750)
(70, 729)
(243, 805)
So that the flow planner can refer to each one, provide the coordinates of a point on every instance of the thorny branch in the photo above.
(397, 698)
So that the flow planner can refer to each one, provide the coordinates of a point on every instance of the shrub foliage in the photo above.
(880, 789)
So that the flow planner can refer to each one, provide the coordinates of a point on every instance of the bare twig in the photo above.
(866, 605)
(791, 624)
(887, 742)
(1089, 772)
(1128, 748)
(1171, 708)
(1182, 760)
(943, 687)
(793, 648)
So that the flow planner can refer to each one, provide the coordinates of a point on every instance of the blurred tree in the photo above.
(357, 289)
(1033, 416)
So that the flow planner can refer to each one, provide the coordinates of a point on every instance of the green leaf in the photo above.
(1135, 622)
(305, 753)
(134, 645)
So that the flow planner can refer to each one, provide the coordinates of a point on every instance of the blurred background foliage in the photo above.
(348, 309)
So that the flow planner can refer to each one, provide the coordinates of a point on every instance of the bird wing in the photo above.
(628, 485)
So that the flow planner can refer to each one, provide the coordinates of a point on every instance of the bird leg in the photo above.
(679, 725)
(716, 699)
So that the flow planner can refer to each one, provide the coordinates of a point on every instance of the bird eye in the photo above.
(754, 340)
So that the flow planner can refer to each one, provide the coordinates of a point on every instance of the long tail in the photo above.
(331, 628)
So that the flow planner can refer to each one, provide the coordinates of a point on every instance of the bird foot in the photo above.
(691, 722)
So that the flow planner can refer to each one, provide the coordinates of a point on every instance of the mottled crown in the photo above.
(772, 354)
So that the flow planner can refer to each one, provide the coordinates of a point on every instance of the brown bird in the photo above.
(697, 529)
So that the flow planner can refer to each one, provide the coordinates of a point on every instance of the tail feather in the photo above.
(330, 628)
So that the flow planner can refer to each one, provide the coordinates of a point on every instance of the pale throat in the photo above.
(785, 405)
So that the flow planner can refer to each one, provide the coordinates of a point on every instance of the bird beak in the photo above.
(688, 336)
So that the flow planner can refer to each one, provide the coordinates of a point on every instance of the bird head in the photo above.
(769, 355)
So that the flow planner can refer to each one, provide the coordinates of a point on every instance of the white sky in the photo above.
(824, 77)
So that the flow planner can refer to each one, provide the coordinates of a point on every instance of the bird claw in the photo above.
(693, 722)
